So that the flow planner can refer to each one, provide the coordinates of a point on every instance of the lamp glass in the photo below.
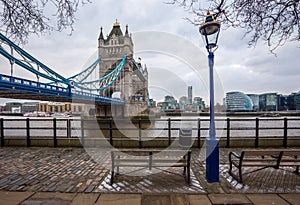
(210, 33)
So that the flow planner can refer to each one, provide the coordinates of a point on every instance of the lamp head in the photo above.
(210, 31)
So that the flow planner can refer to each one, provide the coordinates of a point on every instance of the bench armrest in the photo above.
(235, 155)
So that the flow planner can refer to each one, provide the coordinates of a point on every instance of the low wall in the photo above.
(149, 142)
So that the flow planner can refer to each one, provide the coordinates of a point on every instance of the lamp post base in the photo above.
(212, 160)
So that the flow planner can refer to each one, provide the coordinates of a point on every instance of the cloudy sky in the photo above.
(237, 67)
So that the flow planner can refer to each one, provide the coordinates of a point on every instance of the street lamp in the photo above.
(210, 32)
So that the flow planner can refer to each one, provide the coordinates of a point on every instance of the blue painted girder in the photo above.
(27, 89)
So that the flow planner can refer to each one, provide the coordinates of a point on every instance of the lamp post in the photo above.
(210, 32)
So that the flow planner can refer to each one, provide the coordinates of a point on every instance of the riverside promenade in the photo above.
(63, 176)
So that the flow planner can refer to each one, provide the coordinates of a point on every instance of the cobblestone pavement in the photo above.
(71, 170)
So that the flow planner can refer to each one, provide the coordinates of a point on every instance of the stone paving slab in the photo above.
(13, 198)
(179, 199)
(85, 199)
(120, 199)
(264, 199)
(48, 198)
(156, 199)
(199, 199)
(219, 199)
(293, 198)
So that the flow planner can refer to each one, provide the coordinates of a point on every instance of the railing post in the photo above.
(110, 131)
(2, 132)
(140, 133)
(228, 133)
(199, 127)
(54, 133)
(82, 130)
(27, 132)
(169, 130)
(256, 132)
(68, 128)
(285, 128)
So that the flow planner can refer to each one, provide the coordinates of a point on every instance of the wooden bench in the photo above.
(150, 158)
(263, 158)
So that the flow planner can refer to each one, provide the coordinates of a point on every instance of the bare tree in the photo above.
(20, 18)
(273, 21)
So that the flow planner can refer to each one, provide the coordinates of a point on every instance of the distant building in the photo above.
(294, 101)
(238, 101)
(199, 103)
(268, 102)
(58, 107)
(183, 101)
(152, 103)
(29, 107)
(170, 104)
(283, 103)
(190, 94)
(255, 101)
(13, 107)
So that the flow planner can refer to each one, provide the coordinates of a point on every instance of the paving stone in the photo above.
(263, 199)
(218, 199)
(293, 198)
(53, 195)
(156, 199)
(179, 199)
(85, 199)
(200, 199)
(45, 202)
(13, 198)
(120, 199)
(90, 188)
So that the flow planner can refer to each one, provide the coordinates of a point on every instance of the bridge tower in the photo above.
(132, 84)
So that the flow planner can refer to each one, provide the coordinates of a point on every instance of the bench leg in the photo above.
(112, 154)
(118, 169)
(188, 168)
(230, 167)
(297, 170)
(188, 176)
(240, 175)
(112, 177)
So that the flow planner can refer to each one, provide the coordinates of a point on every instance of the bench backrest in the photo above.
(292, 153)
(257, 153)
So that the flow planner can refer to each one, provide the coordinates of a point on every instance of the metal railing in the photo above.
(229, 128)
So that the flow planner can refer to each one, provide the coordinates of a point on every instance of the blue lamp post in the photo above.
(210, 32)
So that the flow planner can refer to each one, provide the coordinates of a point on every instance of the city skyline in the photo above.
(252, 70)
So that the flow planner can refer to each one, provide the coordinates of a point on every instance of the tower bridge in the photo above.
(120, 89)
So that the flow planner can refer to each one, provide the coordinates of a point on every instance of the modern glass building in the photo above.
(238, 101)
(200, 105)
(294, 101)
(170, 104)
(268, 102)
(190, 94)
(255, 101)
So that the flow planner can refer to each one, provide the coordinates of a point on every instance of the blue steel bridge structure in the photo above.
(50, 85)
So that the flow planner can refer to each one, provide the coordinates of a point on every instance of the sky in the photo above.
(237, 67)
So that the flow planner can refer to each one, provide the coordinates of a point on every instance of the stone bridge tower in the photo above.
(132, 84)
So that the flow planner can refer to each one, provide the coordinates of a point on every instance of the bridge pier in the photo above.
(110, 110)
(128, 110)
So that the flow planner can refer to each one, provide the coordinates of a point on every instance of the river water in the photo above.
(239, 127)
